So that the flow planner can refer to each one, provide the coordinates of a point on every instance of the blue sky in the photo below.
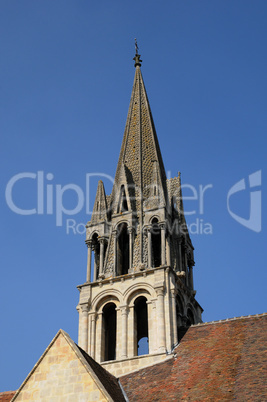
(66, 75)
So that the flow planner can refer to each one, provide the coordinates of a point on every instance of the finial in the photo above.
(137, 56)
(136, 47)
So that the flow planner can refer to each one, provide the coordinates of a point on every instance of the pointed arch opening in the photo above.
(156, 243)
(96, 249)
(123, 204)
(141, 346)
(123, 249)
(181, 327)
(190, 318)
(110, 331)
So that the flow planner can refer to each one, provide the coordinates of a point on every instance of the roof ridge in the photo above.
(229, 319)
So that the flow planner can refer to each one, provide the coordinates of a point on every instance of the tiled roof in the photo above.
(6, 396)
(217, 361)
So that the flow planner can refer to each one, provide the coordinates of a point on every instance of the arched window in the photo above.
(110, 329)
(156, 243)
(96, 248)
(174, 203)
(141, 346)
(123, 249)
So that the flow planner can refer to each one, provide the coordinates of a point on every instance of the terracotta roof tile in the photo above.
(6, 396)
(217, 361)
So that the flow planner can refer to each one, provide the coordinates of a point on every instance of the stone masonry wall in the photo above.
(125, 366)
(60, 377)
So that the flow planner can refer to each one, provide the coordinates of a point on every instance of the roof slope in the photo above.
(215, 361)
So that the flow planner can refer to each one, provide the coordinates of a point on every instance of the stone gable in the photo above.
(63, 374)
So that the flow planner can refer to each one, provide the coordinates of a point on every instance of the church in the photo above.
(141, 335)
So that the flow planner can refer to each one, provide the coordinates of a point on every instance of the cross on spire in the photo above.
(137, 56)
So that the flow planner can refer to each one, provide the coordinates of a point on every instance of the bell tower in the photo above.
(138, 299)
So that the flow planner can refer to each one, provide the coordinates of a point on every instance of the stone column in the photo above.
(180, 255)
(101, 259)
(168, 251)
(84, 327)
(124, 311)
(131, 332)
(161, 320)
(149, 246)
(99, 335)
(114, 234)
(95, 266)
(190, 276)
(150, 323)
(174, 317)
(89, 259)
(130, 231)
(163, 242)
(167, 310)
(93, 330)
(186, 268)
(152, 327)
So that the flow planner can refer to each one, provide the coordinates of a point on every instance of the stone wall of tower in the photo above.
(159, 287)
(143, 261)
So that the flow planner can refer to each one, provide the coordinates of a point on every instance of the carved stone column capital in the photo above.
(131, 230)
(114, 233)
(147, 229)
(84, 307)
(124, 309)
(102, 240)
(162, 225)
(93, 315)
(160, 291)
(89, 243)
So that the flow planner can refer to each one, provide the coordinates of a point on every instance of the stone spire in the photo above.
(140, 147)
